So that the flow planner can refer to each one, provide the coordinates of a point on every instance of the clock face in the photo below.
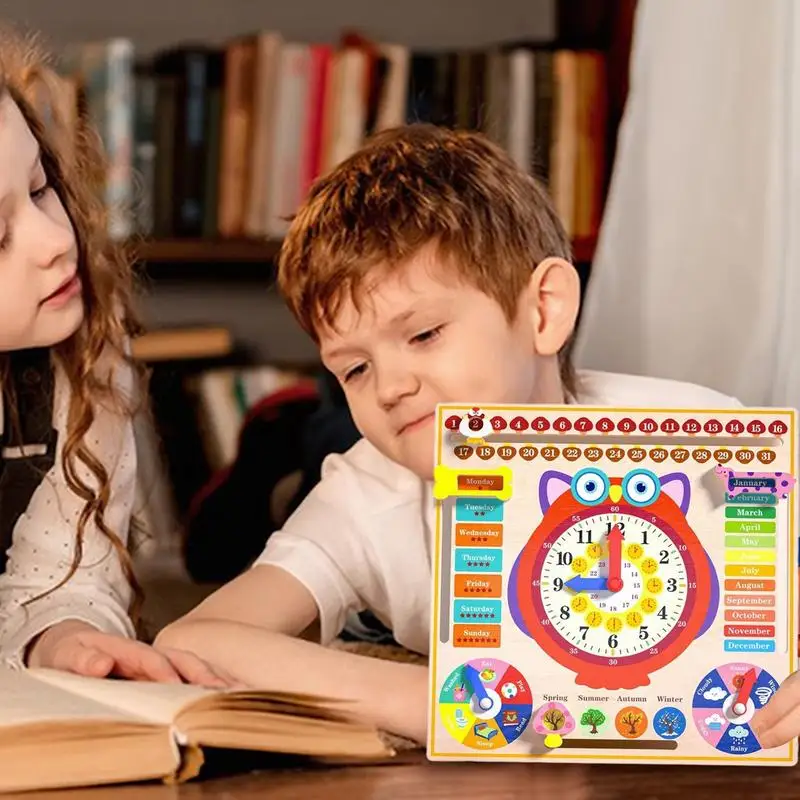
(613, 586)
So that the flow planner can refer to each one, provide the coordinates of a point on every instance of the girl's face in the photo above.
(41, 301)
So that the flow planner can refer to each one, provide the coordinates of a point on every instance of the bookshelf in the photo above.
(192, 252)
(199, 251)
(183, 344)
(209, 299)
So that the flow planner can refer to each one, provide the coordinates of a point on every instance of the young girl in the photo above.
(68, 598)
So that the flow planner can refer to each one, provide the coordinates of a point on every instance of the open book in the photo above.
(59, 730)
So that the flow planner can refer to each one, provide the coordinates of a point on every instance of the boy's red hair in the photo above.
(407, 188)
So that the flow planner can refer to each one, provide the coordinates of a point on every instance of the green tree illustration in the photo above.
(593, 717)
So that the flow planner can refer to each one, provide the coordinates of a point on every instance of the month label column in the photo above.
(750, 561)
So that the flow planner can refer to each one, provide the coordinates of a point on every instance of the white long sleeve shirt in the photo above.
(362, 538)
(43, 544)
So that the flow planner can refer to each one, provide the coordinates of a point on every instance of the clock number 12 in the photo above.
(621, 526)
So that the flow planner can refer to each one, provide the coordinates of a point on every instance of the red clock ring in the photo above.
(629, 671)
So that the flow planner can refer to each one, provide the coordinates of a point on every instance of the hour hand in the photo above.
(581, 584)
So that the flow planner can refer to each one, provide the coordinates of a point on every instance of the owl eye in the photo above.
(590, 486)
(641, 487)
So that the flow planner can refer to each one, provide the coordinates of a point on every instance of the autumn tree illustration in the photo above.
(631, 719)
(593, 717)
(553, 719)
(669, 720)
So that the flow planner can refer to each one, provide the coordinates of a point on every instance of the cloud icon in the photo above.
(715, 721)
(715, 693)
(738, 732)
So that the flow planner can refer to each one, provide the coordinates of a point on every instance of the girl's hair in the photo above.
(75, 169)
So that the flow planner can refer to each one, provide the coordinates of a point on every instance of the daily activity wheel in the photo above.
(485, 704)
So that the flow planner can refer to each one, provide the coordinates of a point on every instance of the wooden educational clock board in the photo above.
(612, 585)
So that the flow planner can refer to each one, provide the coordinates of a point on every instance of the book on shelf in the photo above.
(224, 396)
(103, 78)
(61, 730)
(227, 139)
(200, 413)
(173, 344)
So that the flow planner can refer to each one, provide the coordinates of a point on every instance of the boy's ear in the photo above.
(554, 294)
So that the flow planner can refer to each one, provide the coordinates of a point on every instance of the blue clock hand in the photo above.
(484, 701)
(579, 584)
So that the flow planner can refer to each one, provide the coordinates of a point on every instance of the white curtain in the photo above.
(697, 273)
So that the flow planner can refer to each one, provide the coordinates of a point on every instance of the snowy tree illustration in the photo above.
(669, 719)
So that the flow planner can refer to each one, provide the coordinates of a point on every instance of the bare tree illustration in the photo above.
(632, 720)
(554, 719)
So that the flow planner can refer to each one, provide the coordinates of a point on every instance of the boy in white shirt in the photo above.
(429, 269)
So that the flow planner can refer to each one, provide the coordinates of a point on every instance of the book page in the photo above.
(154, 702)
(24, 700)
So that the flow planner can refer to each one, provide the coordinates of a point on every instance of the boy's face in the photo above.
(40, 301)
(422, 337)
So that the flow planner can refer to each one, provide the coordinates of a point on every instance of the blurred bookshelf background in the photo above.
(217, 117)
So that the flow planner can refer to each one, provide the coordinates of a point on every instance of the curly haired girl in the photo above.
(68, 596)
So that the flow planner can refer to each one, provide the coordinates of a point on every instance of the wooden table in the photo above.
(414, 777)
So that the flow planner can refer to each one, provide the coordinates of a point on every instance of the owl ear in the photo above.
(552, 485)
(677, 486)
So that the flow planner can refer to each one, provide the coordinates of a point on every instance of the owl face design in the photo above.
(593, 487)
(613, 583)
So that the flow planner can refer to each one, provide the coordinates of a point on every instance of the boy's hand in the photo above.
(74, 646)
(779, 720)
